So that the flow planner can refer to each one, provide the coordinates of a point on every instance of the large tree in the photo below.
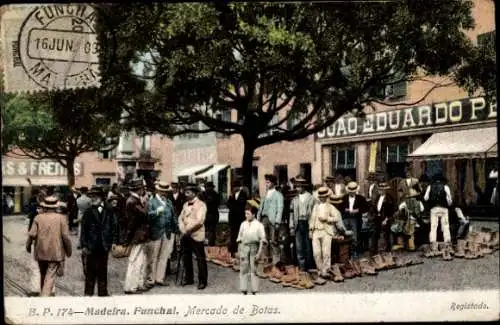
(277, 63)
(59, 126)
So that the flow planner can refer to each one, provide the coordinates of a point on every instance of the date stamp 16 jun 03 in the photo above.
(49, 47)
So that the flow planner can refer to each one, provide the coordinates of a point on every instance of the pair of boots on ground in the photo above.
(477, 244)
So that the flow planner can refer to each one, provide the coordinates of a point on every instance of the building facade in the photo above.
(449, 132)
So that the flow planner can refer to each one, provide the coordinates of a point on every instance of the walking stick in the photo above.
(179, 270)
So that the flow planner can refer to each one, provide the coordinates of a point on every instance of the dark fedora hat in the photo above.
(192, 187)
(136, 184)
(236, 183)
(96, 190)
(209, 185)
(270, 177)
(329, 179)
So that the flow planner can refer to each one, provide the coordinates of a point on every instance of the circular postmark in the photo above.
(59, 46)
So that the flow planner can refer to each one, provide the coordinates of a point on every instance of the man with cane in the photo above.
(191, 226)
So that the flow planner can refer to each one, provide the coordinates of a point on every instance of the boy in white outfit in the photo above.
(251, 239)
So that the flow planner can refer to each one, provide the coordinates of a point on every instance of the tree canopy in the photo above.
(287, 70)
(58, 126)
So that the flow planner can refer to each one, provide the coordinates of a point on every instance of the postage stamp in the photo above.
(48, 47)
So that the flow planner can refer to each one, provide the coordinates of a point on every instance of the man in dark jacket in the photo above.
(137, 235)
(99, 232)
(383, 210)
(354, 207)
(212, 200)
(236, 204)
(72, 207)
(177, 198)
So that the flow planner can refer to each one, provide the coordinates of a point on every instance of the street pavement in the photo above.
(434, 274)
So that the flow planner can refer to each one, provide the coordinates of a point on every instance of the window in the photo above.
(107, 154)
(281, 171)
(106, 181)
(305, 171)
(344, 158)
(486, 39)
(225, 115)
(344, 162)
(396, 153)
(393, 90)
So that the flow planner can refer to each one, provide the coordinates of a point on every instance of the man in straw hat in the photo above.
(354, 207)
(251, 239)
(438, 196)
(300, 212)
(411, 210)
(163, 229)
(137, 235)
(192, 227)
(270, 214)
(324, 224)
(384, 208)
(99, 233)
(50, 233)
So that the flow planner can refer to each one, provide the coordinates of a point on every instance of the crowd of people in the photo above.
(297, 225)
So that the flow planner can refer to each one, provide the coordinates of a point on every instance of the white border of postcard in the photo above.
(479, 305)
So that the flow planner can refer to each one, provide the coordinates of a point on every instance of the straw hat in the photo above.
(384, 186)
(336, 198)
(253, 204)
(300, 181)
(323, 191)
(352, 187)
(162, 187)
(50, 202)
(412, 193)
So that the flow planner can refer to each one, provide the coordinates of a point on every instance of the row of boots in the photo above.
(220, 256)
(292, 276)
(476, 245)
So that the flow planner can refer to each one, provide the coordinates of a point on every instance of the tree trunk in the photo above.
(70, 168)
(247, 164)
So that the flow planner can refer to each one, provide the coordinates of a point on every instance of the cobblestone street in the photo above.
(432, 275)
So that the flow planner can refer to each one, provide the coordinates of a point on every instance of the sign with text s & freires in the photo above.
(36, 168)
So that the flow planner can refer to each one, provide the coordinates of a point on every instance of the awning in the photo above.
(35, 181)
(471, 143)
(212, 171)
(193, 170)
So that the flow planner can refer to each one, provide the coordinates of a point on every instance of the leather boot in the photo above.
(317, 278)
(348, 271)
(366, 268)
(276, 275)
(460, 248)
(494, 242)
(261, 270)
(471, 252)
(344, 251)
(399, 261)
(336, 273)
(305, 281)
(399, 244)
(446, 252)
(411, 243)
(389, 260)
(484, 240)
(378, 262)
(357, 268)
(433, 250)
(289, 275)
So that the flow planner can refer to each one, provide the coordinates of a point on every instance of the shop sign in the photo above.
(36, 168)
(456, 112)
